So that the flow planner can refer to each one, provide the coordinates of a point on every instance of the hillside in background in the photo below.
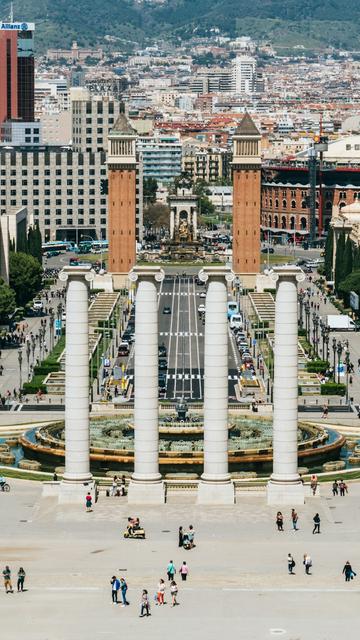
(311, 23)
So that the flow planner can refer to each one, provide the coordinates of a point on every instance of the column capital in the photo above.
(287, 272)
(142, 273)
(216, 272)
(81, 272)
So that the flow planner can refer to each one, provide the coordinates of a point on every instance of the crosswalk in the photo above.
(181, 334)
(188, 376)
(181, 293)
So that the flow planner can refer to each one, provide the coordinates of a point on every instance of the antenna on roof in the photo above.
(11, 12)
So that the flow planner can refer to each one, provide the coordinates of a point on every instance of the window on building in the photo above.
(58, 221)
(92, 221)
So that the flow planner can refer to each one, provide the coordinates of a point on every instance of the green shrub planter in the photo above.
(333, 389)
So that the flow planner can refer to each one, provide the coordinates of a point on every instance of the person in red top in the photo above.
(88, 502)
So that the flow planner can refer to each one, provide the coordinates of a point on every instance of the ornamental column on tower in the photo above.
(122, 198)
(246, 199)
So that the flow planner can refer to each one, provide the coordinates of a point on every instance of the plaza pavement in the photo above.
(238, 584)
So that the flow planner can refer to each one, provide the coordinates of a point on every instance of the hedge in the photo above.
(333, 389)
(317, 366)
(34, 386)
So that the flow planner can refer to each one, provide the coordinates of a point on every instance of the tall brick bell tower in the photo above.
(122, 168)
(246, 201)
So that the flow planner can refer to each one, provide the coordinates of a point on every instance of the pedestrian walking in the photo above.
(343, 488)
(316, 520)
(294, 519)
(145, 604)
(314, 483)
(174, 592)
(124, 588)
(114, 486)
(170, 570)
(7, 580)
(88, 500)
(21, 579)
(348, 571)
(181, 537)
(280, 521)
(325, 411)
(335, 488)
(115, 586)
(307, 562)
(184, 571)
(291, 564)
(161, 592)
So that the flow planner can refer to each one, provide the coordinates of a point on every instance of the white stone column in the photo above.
(216, 486)
(77, 478)
(285, 486)
(194, 221)
(172, 224)
(146, 486)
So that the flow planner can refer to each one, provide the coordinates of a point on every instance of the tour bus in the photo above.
(232, 308)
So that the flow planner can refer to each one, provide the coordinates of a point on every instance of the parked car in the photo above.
(162, 363)
(124, 349)
(162, 351)
(167, 311)
(38, 304)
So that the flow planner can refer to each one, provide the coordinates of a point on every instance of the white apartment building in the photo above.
(244, 75)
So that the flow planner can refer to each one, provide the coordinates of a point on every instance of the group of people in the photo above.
(118, 487)
(7, 579)
(339, 488)
(347, 571)
(294, 521)
(116, 586)
(186, 538)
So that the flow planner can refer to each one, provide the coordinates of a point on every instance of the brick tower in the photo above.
(246, 198)
(122, 169)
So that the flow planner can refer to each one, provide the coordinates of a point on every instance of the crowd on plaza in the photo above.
(186, 541)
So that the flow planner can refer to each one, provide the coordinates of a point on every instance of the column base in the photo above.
(143, 492)
(75, 492)
(285, 493)
(215, 492)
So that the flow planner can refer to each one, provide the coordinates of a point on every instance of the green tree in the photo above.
(329, 247)
(348, 257)
(34, 242)
(7, 300)
(25, 276)
(150, 187)
(351, 283)
(339, 262)
(157, 215)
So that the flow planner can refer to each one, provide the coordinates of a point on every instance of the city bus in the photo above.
(56, 247)
(99, 246)
(232, 308)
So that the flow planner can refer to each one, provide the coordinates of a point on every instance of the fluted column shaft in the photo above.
(77, 437)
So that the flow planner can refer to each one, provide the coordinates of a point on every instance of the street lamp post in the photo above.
(327, 344)
(339, 352)
(33, 347)
(28, 349)
(51, 321)
(347, 363)
(334, 352)
(301, 302)
(20, 357)
(307, 314)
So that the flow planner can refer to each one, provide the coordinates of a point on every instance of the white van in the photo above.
(236, 321)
